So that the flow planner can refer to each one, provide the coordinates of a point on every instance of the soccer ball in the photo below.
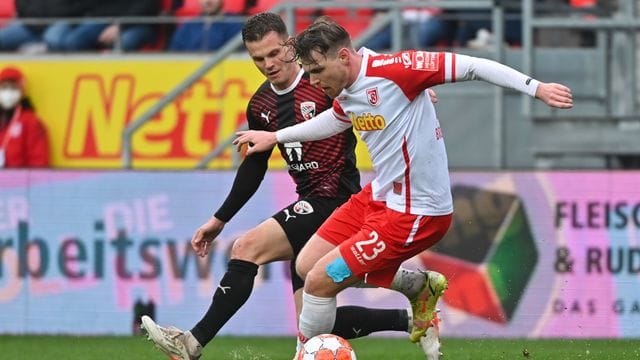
(326, 347)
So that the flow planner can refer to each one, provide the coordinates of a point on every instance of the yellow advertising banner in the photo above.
(86, 103)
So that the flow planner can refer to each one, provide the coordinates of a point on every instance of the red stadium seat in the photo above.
(353, 20)
(7, 10)
(263, 5)
(234, 7)
(190, 8)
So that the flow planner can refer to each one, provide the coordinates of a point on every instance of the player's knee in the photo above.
(302, 268)
(244, 248)
(314, 283)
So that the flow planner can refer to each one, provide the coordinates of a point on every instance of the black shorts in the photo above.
(299, 221)
(303, 217)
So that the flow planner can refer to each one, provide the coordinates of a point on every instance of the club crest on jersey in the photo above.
(373, 97)
(308, 109)
(425, 61)
(302, 207)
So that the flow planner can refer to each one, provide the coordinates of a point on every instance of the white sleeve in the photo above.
(322, 126)
(473, 68)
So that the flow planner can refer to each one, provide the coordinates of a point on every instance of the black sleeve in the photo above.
(248, 178)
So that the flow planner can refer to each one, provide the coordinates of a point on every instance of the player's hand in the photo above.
(433, 96)
(258, 141)
(109, 35)
(555, 95)
(203, 238)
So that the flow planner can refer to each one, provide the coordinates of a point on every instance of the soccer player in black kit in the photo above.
(325, 174)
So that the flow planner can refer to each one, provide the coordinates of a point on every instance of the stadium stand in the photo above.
(7, 10)
(530, 133)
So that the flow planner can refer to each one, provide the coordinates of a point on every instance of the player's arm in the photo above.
(248, 178)
(328, 123)
(474, 68)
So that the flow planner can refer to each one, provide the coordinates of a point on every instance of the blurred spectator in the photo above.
(23, 138)
(19, 36)
(474, 27)
(93, 35)
(206, 34)
(429, 27)
(423, 27)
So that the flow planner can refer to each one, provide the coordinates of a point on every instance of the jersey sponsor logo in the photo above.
(367, 122)
(302, 207)
(308, 109)
(388, 61)
(425, 61)
(372, 96)
(294, 151)
(299, 167)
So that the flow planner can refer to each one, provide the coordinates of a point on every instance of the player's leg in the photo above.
(351, 321)
(354, 321)
(405, 236)
(323, 282)
(263, 244)
(357, 321)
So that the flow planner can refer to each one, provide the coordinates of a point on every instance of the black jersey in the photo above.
(324, 168)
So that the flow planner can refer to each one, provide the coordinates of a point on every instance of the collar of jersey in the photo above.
(291, 87)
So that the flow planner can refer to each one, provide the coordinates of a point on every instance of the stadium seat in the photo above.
(583, 3)
(7, 10)
(355, 21)
(189, 8)
(263, 5)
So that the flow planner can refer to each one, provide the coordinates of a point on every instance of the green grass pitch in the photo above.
(260, 348)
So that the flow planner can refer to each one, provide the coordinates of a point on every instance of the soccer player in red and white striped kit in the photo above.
(326, 176)
(408, 206)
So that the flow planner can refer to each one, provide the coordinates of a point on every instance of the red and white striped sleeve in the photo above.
(414, 71)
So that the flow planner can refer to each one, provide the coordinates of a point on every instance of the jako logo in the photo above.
(367, 122)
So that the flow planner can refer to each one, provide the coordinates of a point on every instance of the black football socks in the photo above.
(356, 321)
(234, 290)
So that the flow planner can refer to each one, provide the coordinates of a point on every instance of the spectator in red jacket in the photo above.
(23, 137)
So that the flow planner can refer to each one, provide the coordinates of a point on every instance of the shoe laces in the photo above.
(172, 331)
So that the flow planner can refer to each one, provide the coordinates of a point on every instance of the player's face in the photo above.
(330, 73)
(272, 59)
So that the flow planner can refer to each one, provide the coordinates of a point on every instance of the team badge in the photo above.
(308, 109)
(372, 96)
(302, 207)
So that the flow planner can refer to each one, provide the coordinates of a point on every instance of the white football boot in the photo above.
(175, 343)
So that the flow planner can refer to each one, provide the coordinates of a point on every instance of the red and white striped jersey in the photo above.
(387, 104)
(389, 107)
